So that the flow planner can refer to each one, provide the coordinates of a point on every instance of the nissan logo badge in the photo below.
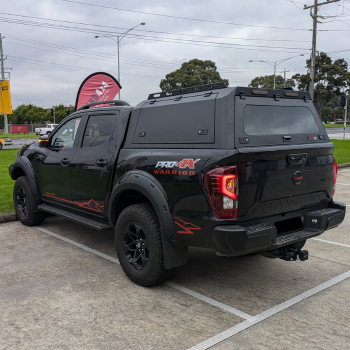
(297, 177)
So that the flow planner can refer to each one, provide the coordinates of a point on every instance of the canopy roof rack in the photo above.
(188, 90)
(111, 103)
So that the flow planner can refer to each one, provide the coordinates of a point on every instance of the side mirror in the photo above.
(44, 141)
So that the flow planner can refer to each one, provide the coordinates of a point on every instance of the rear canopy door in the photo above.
(285, 157)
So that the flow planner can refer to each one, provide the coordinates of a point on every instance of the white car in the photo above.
(45, 131)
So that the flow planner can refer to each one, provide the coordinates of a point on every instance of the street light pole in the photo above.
(275, 64)
(119, 39)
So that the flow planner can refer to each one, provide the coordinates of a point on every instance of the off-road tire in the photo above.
(142, 216)
(22, 194)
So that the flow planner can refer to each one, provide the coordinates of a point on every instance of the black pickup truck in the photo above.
(237, 170)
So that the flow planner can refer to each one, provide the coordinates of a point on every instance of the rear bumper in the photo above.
(238, 240)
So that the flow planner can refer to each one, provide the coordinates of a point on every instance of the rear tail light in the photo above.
(335, 174)
(222, 185)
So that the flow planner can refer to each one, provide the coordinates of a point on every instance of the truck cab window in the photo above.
(65, 135)
(98, 130)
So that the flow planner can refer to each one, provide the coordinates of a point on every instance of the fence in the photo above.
(21, 128)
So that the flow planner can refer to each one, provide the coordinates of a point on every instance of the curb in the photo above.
(345, 165)
(8, 217)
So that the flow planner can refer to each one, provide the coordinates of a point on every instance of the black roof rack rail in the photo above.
(188, 90)
(111, 103)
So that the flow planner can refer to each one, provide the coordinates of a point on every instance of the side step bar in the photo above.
(92, 223)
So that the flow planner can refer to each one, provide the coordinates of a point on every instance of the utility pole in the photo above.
(6, 131)
(284, 76)
(314, 36)
(346, 111)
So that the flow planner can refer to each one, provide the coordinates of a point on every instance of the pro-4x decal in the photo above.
(185, 228)
(183, 164)
(169, 165)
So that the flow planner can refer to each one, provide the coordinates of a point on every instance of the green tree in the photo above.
(26, 114)
(192, 73)
(326, 114)
(266, 82)
(338, 113)
(60, 113)
(331, 79)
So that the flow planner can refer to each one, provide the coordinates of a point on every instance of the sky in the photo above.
(50, 45)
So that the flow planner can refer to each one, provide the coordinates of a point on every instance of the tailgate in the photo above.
(285, 158)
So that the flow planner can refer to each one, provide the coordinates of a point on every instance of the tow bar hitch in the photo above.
(291, 252)
(294, 255)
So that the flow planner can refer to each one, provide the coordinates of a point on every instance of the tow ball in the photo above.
(292, 252)
(294, 255)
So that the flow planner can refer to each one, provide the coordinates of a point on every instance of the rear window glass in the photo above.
(98, 130)
(277, 120)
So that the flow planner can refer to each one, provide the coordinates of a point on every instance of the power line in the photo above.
(85, 56)
(151, 31)
(171, 40)
(180, 17)
(94, 54)
(224, 70)
(73, 67)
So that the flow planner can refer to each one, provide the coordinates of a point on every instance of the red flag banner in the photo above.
(95, 88)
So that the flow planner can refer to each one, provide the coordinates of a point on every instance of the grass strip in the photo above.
(342, 151)
(19, 136)
(335, 125)
(7, 157)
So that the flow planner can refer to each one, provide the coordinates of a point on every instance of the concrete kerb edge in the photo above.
(345, 165)
(7, 217)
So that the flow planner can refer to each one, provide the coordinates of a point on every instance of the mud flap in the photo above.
(173, 257)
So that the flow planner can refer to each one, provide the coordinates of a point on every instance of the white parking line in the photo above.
(268, 313)
(170, 284)
(342, 184)
(96, 252)
(330, 242)
(211, 301)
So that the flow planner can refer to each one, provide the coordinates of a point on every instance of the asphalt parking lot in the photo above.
(61, 287)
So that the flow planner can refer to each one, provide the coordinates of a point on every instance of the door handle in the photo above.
(297, 159)
(65, 161)
(101, 162)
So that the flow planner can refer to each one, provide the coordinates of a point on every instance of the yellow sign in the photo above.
(5, 98)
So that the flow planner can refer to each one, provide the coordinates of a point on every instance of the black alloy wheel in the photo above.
(135, 246)
(26, 205)
(22, 204)
(138, 239)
